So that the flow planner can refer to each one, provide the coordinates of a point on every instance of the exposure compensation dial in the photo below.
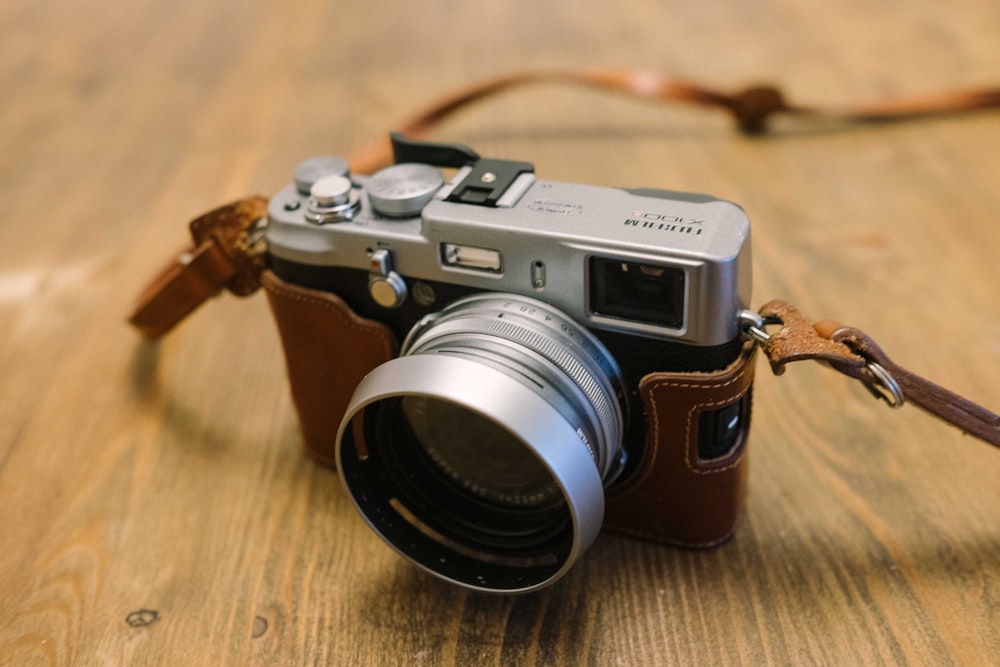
(403, 190)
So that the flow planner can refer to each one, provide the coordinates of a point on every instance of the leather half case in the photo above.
(328, 351)
(674, 496)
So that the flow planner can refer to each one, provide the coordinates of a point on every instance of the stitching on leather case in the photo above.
(655, 426)
(688, 443)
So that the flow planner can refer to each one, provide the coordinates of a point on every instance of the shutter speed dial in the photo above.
(403, 190)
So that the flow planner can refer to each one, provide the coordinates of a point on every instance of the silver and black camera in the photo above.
(498, 365)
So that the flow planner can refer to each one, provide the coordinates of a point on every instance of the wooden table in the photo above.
(155, 505)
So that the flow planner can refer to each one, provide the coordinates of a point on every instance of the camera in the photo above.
(499, 365)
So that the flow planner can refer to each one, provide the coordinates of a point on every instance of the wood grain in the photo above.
(155, 507)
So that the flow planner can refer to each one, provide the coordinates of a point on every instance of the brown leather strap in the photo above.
(855, 354)
(185, 283)
(222, 255)
(751, 107)
(933, 398)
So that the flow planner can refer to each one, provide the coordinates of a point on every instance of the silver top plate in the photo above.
(556, 226)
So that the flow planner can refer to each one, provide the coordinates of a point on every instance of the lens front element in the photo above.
(478, 455)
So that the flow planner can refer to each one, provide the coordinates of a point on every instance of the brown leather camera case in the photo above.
(673, 496)
(328, 351)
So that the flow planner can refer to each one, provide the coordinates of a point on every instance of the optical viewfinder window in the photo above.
(637, 292)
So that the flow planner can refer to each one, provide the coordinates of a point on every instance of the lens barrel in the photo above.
(482, 452)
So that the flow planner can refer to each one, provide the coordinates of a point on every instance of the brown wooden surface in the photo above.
(169, 478)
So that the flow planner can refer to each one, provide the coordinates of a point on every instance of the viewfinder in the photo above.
(637, 292)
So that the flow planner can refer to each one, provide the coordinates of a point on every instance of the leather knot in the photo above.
(752, 106)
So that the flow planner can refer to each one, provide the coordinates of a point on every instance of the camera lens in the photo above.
(477, 454)
(482, 452)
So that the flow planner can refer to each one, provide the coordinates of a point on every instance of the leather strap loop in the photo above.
(223, 255)
(798, 340)
(184, 284)
(855, 354)
(935, 399)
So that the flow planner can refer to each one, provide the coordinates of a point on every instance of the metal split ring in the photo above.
(887, 389)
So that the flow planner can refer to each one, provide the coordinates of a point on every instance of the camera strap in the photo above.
(855, 354)
(228, 251)
(225, 252)
(751, 108)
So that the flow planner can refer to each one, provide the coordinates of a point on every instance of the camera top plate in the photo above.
(495, 226)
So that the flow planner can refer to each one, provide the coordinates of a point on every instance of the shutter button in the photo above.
(332, 199)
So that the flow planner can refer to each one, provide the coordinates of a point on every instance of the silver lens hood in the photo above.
(521, 408)
(505, 390)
